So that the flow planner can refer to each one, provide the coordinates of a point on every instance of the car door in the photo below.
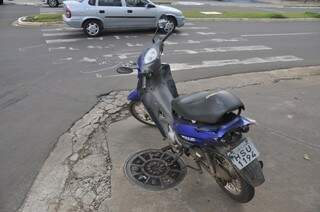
(138, 15)
(112, 13)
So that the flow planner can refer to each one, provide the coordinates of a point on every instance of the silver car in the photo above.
(95, 15)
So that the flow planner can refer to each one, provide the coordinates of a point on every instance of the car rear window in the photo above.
(111, 3)
(92, 2)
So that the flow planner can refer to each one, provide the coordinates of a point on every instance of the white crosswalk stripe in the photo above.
(219, 63)
(59, 34)
(63, 40)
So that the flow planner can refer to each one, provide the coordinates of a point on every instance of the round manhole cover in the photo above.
(154, 169)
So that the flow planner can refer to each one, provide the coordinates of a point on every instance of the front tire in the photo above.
(138, 111)
(92, 28)
(170, 25)
(53, 3)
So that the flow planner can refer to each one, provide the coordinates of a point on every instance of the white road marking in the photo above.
(57, 48)
(170, 43)
(189, 24)
(130, 36)
(63, 60)
(211, 13)
(123, 56)
(116, 37)
(88, 60)
(206, 33)
(73, 49)
(30, 47)
(60, 29)
(186, 51)
(280, 34)
(94, 47)
(63, 40)
(193, 41)
(189, 3)
(181, 34)
(107, 55)
(237, 48)
(220, 40)
(195, 27)
(133, 45)
(98, 75)
(59, 34)
(219, 63)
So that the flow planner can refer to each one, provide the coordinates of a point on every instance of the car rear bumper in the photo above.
(73, 21)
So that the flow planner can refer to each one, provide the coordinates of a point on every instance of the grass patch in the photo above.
(45, 17)
(198, 14)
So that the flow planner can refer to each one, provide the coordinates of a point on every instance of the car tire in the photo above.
(92, 28)
(170, 26)
(53, 3)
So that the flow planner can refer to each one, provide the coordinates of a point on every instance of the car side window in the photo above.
(110, 3)
(136, 3)
(92, 2)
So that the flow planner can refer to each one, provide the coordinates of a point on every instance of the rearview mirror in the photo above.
(124, 70)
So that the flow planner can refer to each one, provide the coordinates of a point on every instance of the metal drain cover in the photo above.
(154, 169)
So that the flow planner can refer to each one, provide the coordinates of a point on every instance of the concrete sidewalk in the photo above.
(85, 171)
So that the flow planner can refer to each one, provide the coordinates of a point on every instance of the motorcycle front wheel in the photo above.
(139, 112)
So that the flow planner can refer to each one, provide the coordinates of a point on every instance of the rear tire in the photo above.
(138, 111)
(53, 3)
(92, 28)
(246, 191)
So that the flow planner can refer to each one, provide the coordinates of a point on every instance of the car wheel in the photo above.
(170, 25)
(92, 28)
(53, 3)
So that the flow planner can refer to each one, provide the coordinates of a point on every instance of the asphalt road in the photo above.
(50, 76)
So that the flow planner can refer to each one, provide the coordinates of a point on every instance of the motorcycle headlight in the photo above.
(150, 56)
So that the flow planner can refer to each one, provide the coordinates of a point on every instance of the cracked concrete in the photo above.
(77, 174)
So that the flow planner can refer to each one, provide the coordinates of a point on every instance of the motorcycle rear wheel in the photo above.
(138, 111)
(238, 189)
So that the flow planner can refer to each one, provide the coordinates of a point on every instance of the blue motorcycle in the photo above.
(206, 126)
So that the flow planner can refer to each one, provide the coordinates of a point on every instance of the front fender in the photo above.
(134, 96)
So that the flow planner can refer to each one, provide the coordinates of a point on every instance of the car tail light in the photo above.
(68, 13)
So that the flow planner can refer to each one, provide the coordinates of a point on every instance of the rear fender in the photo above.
(252, 173)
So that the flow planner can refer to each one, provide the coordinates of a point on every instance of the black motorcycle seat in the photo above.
(206, 107)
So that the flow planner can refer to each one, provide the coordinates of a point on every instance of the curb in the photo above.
(77, 173)
(254, 19)
(22, 22)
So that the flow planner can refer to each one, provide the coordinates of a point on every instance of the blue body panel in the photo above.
(205, 135)
(134, 96)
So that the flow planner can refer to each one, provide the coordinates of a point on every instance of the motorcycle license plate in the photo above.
(244, 154)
